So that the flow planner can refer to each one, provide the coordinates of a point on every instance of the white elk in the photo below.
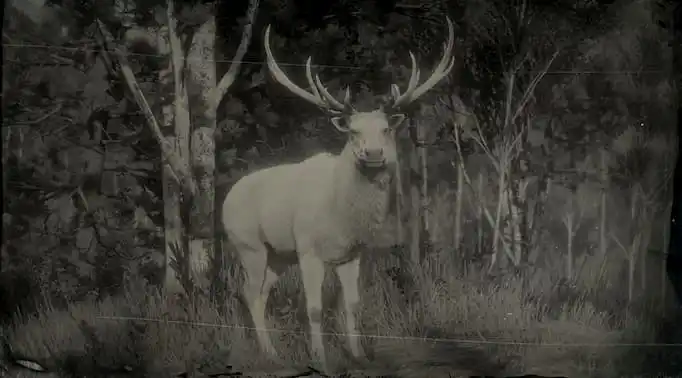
(318, 212)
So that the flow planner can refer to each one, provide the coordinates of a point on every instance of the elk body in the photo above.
(320, 212)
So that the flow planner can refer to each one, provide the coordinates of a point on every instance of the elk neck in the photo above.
(362, 201)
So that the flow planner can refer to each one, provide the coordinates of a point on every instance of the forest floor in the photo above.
(455, 323)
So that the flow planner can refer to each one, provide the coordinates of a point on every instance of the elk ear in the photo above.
(341, 124)
(396, 120)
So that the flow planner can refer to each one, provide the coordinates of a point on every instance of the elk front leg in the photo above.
(312, 272)
(349, 275)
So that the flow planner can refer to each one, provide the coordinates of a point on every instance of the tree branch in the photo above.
(178, 171)
(531, 87)
(228, 79)
(176, 50)
(42, 118)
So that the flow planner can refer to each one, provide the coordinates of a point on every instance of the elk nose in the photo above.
(374, 154)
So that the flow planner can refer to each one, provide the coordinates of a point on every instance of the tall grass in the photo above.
(451, 318)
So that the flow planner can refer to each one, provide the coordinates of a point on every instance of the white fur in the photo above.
(323, 207)
(319, 211)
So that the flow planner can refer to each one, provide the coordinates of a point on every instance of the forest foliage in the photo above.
(607, 88)
(569, 107)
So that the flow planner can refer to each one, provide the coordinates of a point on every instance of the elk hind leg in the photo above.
(258, 281)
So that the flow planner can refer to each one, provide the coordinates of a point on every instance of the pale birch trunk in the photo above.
(520, 211)
(569, 250)
(516, 216)
(569, 223)
(399, 234)
(462, 117)
(502, 197)
(415, 209)
(202, 68)
(602, 202)
(646, 242)
(634, 245)
(479, 215)
(174, 231)
(417, 191)
(503, 228)
(634, 250)
(19, 147)
(6, 137)
(459, 198)
(666, 240)
(424, 187)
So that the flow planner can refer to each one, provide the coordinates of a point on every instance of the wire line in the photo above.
(413, 338)
(556, 72)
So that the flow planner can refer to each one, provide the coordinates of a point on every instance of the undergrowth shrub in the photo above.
(445, 314)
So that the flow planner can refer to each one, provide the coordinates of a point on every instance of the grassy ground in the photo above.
(499, 326)
(440, 318)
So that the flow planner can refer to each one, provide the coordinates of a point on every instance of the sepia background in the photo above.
(533, 215)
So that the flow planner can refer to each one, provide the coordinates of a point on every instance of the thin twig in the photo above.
(41, 118)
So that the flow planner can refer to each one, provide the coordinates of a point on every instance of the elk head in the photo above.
(370, 134)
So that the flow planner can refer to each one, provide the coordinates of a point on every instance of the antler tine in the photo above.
(309, 76)
(443, 68)
(327, 96)
(412, 84)
(346, 101)
(346, 97)
(282, 78)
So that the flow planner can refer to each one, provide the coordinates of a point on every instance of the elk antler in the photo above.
(443, 68)
(319, 96)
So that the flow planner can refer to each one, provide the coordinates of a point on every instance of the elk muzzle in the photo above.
(372, 158)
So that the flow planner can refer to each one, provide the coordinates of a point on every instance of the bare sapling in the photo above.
(459, 198)
(571, 220)
(483, 211)
(500, 157)
(665, 235)
(479, 212)
(604, 172)
(634, 246)
(503, 157)
(462, 117)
